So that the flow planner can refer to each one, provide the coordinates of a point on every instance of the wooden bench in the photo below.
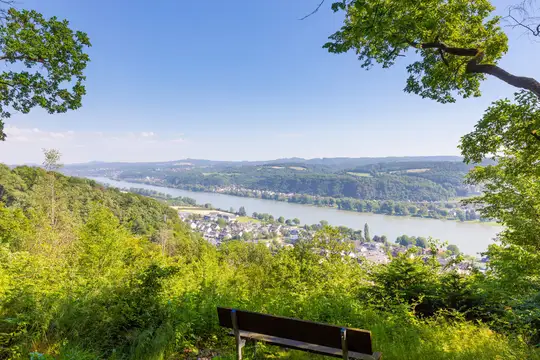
(297, 334)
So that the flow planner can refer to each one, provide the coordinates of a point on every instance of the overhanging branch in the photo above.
(475, 67)
(522, 82)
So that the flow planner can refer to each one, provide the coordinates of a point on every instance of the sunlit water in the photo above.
(471, 238)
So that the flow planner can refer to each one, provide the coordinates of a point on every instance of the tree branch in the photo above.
(450, 50)
(522, 82)
(314, 11)
(441, 52)
(474, 66)
(528, 20)
(535, 32)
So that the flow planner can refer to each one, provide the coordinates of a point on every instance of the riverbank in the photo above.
(450, 210)
(471, 238)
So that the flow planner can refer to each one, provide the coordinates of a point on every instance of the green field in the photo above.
(246, 219)
(359, 174)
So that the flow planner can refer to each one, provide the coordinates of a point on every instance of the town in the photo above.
(218, 226)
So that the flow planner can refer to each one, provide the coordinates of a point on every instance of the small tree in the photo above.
(281, 220)
(242, 211)
(296, 221)
(52, 159)
(367, 237)
(421, 242)
(52, 163)
(453, 249)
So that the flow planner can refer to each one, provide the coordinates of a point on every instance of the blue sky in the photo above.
(239, 80)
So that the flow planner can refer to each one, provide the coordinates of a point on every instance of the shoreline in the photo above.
(489, 223)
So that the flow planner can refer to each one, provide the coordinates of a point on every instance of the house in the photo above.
(293, 235)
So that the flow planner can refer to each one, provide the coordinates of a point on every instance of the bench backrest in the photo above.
(299, 330)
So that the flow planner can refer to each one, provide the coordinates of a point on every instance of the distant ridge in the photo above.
(332, 161)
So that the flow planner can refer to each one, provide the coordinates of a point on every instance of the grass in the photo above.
(198, 210)
(359, 174)
(247, 219)
(410, 171)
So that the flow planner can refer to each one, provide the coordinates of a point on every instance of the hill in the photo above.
(396, 179)
(332, 162)
(93, 273)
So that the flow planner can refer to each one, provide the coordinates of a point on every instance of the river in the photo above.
(471, 238)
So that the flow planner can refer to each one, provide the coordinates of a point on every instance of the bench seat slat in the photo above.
(298, 345)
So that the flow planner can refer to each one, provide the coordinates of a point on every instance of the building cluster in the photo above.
(217, 227)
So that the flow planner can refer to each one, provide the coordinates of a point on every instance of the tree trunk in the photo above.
(52, 204)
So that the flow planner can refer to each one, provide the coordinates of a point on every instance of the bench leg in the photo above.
(239, 342)
(239, 345)
(344, 346)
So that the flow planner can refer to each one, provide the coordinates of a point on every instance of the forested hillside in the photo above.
(397, 179)
(425, 180)
(387, 187)
(93, 273)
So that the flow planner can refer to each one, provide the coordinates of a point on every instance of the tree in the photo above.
(454, 250)
(52, 163)
(511, 186)
(255, 215)
(281, 220)
(42, 57)
(366, 233)
(460, 215)
(296, 221)
(405, 240)
(384, 239)
(246, 236)
(242, 211)
(421, 242)
(52, 159)
(457, 43)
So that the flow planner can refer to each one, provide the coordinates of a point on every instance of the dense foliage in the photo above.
(42, 56)
(455, 42)
(508, 134)
(112, 278)
(419, 181)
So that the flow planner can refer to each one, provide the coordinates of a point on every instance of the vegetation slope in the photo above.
(93, 273)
